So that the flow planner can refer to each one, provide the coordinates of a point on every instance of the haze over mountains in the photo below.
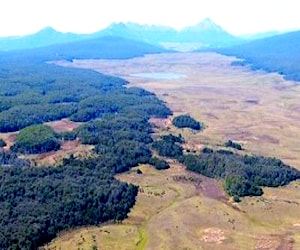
(204, 34)
(271, 51)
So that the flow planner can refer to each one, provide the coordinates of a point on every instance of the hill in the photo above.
(274, 54)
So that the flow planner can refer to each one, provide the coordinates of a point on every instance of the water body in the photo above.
(160, 75)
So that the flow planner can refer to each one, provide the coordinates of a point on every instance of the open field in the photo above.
(64, 125)
(176, 209)
(258, 109)
(53, 158)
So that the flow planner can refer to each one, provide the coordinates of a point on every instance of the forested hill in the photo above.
(274, 54)
(108, 47)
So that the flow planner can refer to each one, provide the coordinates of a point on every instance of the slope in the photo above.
(104, 47)
(274, 54)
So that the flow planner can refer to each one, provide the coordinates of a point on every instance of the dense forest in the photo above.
(243, 175)
(169, 146)
(37, 203)
(36, 139)
(274, 54)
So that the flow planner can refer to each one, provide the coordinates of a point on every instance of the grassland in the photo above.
(258, 109)
(176, 209)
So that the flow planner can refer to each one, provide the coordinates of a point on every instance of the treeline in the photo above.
(37, 203)
(242, 175)
(186, 121)
(232, 144)
(169, 146)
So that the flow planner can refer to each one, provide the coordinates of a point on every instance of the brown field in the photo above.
(63, 125)
(257, 109)
(176, 209)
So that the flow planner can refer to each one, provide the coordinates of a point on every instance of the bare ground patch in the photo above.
(55, 157)
(63, 125)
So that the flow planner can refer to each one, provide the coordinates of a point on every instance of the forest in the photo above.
(274, 54)
(36, 139)
(38, 203)
(241, 175)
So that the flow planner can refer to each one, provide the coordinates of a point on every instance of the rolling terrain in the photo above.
(255, 109)
(82, 147)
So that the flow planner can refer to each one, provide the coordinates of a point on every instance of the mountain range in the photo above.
(203, 35)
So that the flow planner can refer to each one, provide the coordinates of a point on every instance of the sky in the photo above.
(20, 17)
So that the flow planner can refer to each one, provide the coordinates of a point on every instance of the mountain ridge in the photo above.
(206, 33)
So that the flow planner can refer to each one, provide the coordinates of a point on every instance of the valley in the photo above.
(257, 109)
(177, 209)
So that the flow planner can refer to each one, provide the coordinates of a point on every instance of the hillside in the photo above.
(274, 54)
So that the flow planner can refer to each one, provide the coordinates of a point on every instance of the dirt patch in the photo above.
(55, 157)
(63, 125)
(266, 243)
(212, 189)
(213, 235)
(9, 139)
(161, 123)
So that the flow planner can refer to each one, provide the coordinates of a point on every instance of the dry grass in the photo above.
(174, 209)
(9, 138)
(53, 158)
(64, 125)
(178, 213)
(257, 109)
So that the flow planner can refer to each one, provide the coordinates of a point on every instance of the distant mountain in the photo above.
(99, 48)
(209, 34)
(205, 34)
(147, 33)
(44, 37)
(279, 53)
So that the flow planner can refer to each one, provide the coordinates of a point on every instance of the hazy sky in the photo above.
(19, 17)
